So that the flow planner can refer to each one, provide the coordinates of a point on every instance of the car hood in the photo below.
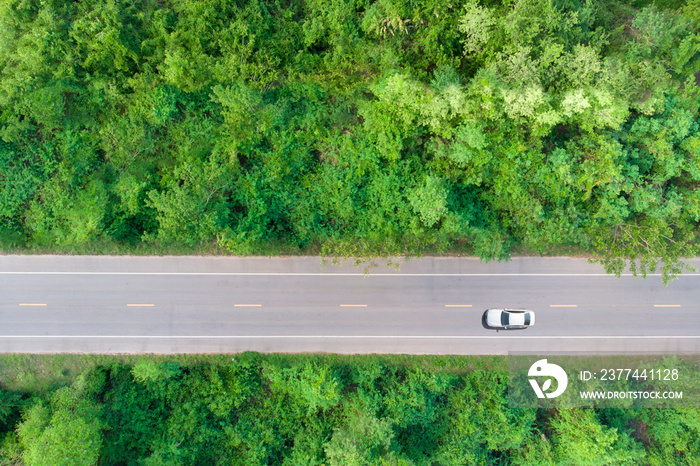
(493, 318)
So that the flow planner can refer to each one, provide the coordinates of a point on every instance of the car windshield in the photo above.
(504, 319)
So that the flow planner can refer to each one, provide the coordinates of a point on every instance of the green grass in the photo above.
(40, 373)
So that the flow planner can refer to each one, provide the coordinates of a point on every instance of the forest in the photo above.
(352, 128)
(255, 409)
(342, 128)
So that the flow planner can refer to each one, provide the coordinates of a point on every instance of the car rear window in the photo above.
(527, 318)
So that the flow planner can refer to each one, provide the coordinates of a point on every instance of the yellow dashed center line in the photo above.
(353, 305)
(563, 305)
(247, 305)
(140, 305)
(667, 305)
(458, 305)
(32, 304)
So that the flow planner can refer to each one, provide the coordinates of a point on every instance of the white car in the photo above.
(508, 319)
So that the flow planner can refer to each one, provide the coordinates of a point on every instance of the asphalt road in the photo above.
(429, 306)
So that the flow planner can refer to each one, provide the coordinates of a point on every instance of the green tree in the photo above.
(579, 438)
(365, 440)
(430, 201)
(66, 432)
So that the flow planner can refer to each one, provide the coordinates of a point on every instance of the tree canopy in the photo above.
(315, 410)
(353, 127)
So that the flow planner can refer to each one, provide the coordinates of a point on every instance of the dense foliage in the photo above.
(313, 410)
(352, 126)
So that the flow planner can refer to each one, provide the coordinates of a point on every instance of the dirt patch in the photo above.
(639, 432)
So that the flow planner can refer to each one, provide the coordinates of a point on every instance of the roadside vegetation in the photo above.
(248, 409)
(352, 128)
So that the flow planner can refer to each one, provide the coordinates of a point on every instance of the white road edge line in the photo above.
(343, 274)
(395, 337)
